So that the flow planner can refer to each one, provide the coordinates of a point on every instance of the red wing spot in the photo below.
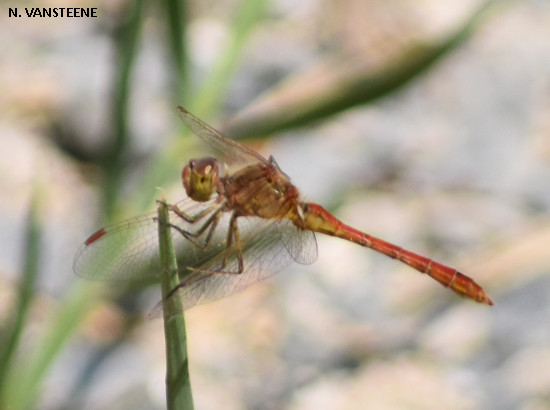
(94, 237)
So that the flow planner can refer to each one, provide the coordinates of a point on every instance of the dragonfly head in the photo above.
(200, 178)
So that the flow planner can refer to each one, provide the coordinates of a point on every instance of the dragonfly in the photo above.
(242, 220)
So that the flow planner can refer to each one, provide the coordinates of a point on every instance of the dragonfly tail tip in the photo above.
(486, 299)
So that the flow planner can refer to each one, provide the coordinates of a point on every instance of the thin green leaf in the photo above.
(127, 51)
(334, 86)
(24, 382)
(176, 15)
(178, 384)
(26, 292)
(209, 95)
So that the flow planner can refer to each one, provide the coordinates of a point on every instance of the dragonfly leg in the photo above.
(233, 234)
(210, 224)
(233, 238)
(185, 216)
(233, 242)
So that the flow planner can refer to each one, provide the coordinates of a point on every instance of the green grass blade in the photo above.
(127, 50)
(176, 16)
(12, 335)
(178, 385)
(210, 94)
(24, 381)
(334, 86)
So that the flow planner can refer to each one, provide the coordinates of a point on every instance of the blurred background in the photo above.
(425, 123)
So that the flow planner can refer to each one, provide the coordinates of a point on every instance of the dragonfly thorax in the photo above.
(200, 178)
(261, 190)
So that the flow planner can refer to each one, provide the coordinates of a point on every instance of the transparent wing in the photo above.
(301, 245)
(231, 148)
(129, 250)
(264, 253)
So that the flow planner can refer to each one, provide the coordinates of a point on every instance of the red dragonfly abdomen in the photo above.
(318, 219)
